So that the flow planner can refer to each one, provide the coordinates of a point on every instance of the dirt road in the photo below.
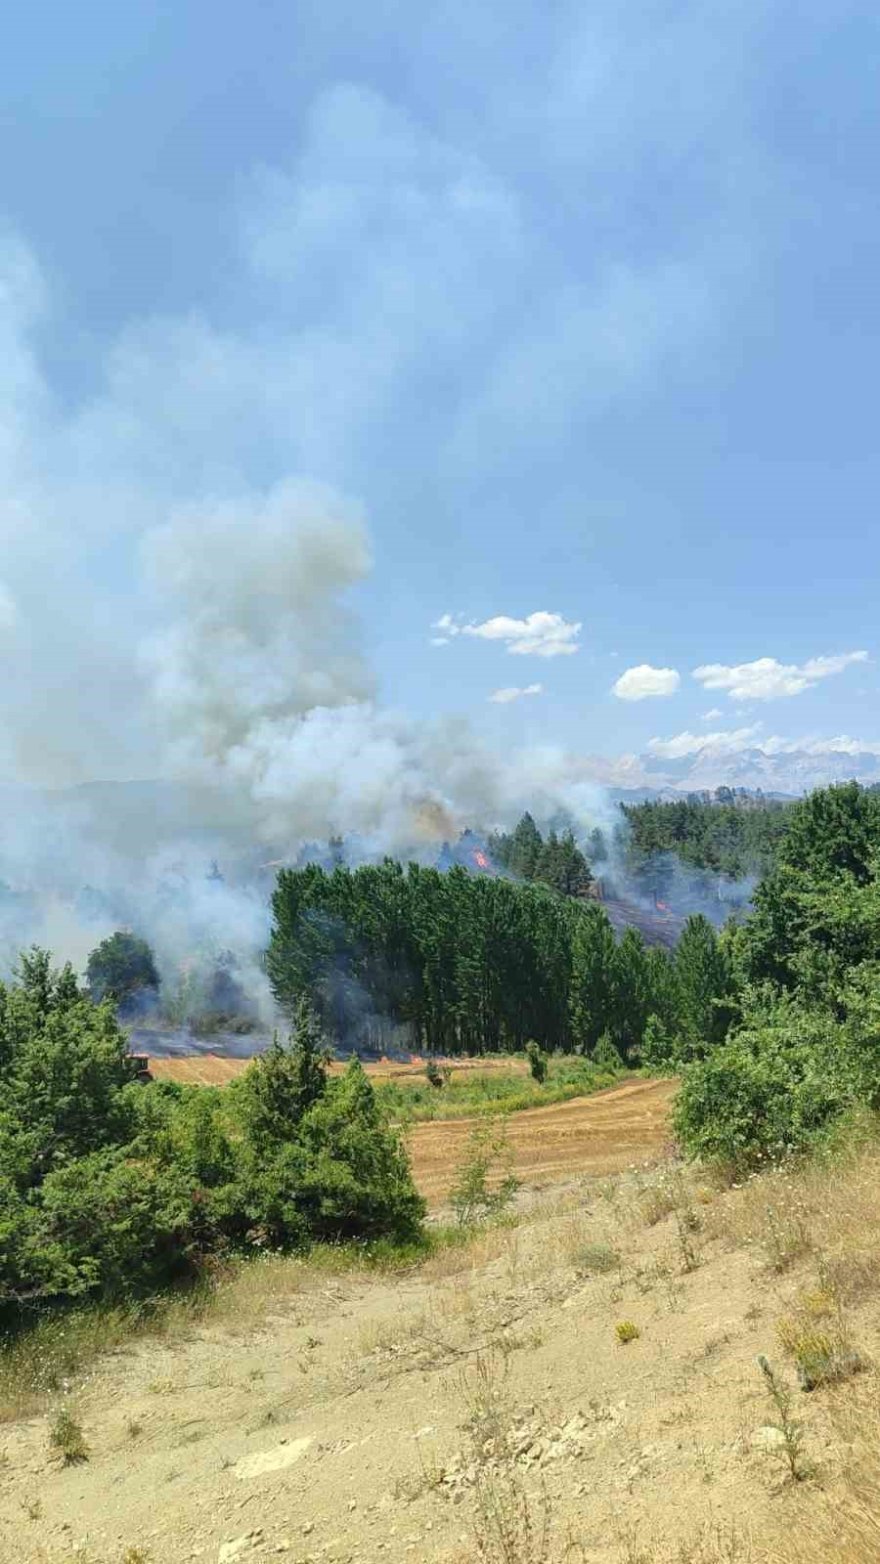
(603, 1133)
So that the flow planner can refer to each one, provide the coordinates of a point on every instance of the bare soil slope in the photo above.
(341, 1417)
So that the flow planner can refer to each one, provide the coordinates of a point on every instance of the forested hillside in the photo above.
(554, 860)
(730, 834)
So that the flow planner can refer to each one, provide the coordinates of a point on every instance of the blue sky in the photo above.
(578, 305)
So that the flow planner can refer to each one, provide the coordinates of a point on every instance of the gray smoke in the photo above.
(250, 685)
(261, 691)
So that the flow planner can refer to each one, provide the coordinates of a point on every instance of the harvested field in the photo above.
(218, 1070)
(604, 1133)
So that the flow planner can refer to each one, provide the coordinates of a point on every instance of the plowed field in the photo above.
(603, 1133)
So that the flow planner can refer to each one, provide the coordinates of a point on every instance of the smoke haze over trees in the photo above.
(456, 963)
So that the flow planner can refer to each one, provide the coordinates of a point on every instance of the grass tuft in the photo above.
(66, 1436)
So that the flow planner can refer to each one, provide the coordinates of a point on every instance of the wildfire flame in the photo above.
(481, 860)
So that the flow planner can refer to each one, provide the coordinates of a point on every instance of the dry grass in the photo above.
(842, 1526)
(512, 1522)
(716, 1543)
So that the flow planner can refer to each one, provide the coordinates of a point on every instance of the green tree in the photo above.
(64, 1067)
(120, 967)
(284, 1082)
(704, 987)
(525, 848)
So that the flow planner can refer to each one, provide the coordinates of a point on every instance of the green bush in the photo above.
(113, 1189)
(537, 1062)
(605, 1055)
(768, 1091)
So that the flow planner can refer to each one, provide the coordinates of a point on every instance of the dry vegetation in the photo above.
(487, 1403)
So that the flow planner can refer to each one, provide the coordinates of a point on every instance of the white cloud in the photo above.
(538, 635)
(514, 692)
(715, 711)
(644, 683)
(767, 679)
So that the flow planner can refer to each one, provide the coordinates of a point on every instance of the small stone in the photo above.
(768, 1438)
(232, 1550)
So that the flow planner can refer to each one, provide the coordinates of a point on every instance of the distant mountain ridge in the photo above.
(784, 774)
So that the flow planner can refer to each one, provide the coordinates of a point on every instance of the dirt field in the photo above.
(604, 1133)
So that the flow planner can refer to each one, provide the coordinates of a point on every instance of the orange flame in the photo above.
(481, 860)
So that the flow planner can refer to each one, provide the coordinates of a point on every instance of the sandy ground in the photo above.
(331, 1418)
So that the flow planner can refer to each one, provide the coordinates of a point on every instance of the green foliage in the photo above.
(66, 1436)
(795, 988)
(471, 1094)
(434, 1074)
(605, 1055)
(731, 834)
(556, 861)
(659, 1048)
(461, 963)
(537, 1062)
(284, 1082)
(704, 988)
(110, 1189)
(120, 967)
(765, 1093)
(485, 1184)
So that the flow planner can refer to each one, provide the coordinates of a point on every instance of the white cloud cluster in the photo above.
(767, 679)
(538, 635)
(513, 692)
(644, 683)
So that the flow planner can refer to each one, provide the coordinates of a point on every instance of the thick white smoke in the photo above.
(262, 692)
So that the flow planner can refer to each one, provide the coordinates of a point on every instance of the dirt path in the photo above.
(604, 1133)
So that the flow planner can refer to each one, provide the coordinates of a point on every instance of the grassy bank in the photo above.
(471, 1094)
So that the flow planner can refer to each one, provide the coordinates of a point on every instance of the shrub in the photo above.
(767, 1091)
(66, 1436)
(605, 1055)
(111, 1189)
(626, 1331)
(537, 1062)
(485, 1183)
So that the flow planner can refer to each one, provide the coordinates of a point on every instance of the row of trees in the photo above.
(470, 964)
